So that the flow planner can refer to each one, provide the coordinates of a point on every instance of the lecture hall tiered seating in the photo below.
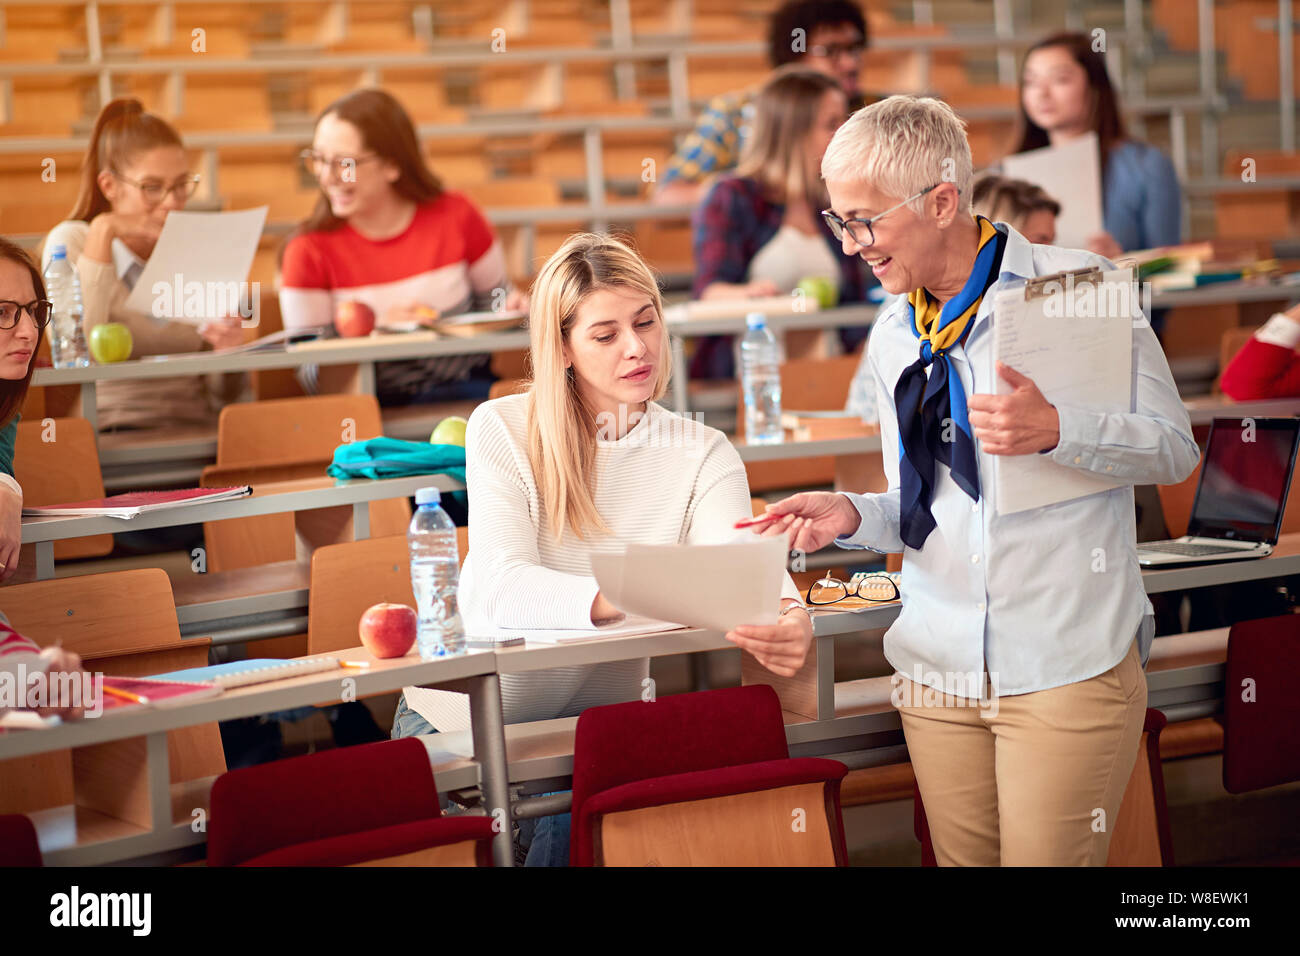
(550, 136)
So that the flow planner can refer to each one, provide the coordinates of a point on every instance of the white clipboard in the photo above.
(1072, 334)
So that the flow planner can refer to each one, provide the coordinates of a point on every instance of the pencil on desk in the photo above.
(125, 695)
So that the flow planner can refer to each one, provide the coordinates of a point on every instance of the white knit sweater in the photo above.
(669, 480)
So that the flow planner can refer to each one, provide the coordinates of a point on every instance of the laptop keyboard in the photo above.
(1186, 548)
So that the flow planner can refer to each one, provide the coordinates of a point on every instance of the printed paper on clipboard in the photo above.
(1072, 334)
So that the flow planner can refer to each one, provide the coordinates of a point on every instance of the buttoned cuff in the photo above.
(1080, 432)
(1279, 330)
(857, 541)
(11, 483)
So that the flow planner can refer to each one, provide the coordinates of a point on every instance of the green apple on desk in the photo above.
(450, 431)
(821, 290)
(110, 342)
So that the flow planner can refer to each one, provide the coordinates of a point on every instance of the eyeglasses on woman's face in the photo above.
(39, 309)
(861, 229)
(342, 167)
(155, 191)
(876, 586)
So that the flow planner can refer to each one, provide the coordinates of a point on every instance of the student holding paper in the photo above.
(24, 313)
(1040, 612)
(1065, 92)
(134, 173)
(386, 233)
(587, 461)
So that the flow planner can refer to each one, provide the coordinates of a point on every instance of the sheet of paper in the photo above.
(1077, 354)
(716, 586)
(632, 624)
(199, 265)
(1070, 174)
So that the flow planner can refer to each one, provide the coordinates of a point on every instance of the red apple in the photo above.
(353, 319)
(388, 630)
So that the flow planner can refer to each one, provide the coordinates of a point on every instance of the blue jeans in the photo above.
(544, 840)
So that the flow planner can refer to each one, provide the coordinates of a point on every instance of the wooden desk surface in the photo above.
(383, 676)
(267, 498)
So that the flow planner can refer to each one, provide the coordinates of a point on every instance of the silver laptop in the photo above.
(1241, 495)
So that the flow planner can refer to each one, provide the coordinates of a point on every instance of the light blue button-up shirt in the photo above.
(1044, 597)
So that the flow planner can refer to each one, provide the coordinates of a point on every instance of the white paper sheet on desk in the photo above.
(1086, 362)
(212, 249)
(632, 624)
(1070, 174)
(716, 586)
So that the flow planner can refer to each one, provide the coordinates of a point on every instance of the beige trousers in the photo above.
(1030, 780)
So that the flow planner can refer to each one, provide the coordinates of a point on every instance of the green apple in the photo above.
(821, 290)
(450, 431)
(110, 342)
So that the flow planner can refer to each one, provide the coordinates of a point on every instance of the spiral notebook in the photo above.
(256, 671)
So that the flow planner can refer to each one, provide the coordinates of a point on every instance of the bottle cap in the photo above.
(756, 320)
(58, 252)
(428, 496)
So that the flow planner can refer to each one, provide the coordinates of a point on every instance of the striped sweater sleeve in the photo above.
(517, 590)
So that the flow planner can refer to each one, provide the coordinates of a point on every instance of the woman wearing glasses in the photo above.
(135, 172)
(1022, 637)
(24, 313)
(386, 233)
(1066, 92)
(584, 462)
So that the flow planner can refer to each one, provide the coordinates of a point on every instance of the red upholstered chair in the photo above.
(370, 805)
(1261, 709)
(701, 779)
(1141, 836)
(18, 846)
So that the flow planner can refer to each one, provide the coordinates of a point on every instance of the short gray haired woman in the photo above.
(1019, 656)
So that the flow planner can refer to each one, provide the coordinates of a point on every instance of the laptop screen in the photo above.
(1245, 476)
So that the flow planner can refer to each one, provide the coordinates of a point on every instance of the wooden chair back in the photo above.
(348, 578)
(744, 829)
(56, 461)
(294, 429)
(811, 384)
(1230, 344)
(283, 440)
(507, 386)
(1141, 835)
(122, 623)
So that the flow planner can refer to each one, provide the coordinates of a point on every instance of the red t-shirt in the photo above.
(448, 258)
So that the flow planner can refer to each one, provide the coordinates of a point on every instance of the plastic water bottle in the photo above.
(760, 370)
(435, 574)
(67, 337)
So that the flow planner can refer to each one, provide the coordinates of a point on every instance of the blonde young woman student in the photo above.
(587, 461)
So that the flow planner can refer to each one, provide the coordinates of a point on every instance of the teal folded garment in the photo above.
(394, 458)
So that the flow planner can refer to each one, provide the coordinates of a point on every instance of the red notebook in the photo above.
(138, 502)
(153, 693)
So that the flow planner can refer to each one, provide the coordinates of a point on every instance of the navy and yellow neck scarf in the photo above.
(926, 403)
